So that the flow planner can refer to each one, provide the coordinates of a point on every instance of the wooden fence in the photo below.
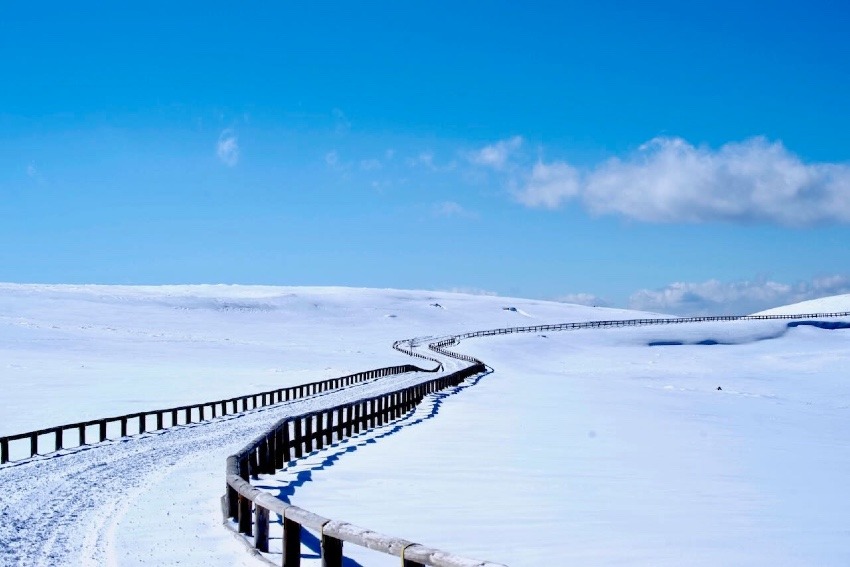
(440, 346)
(94, 431)
(294, 437)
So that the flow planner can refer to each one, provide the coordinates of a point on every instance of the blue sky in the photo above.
(672, 157)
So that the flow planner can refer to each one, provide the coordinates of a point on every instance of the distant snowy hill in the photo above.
(74, 352)
(832, 304)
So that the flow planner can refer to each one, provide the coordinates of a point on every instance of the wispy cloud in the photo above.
(370, 164)
(741, 297)
(427, 160)
(34, 174)
(332, 159)
(669, 180)
(227, 148)
(341, 121)
(453, 209)
(548, 185)
(496, 155)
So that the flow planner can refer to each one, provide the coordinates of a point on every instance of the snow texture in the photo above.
(583, 446)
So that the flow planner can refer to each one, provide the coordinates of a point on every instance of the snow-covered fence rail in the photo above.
(292, 438)
(406, 346)
(440, 346)
(78, 434)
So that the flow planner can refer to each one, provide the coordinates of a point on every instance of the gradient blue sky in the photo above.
(674, 157)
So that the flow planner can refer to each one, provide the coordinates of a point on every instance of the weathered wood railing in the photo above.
(292, 438)
(97, 430)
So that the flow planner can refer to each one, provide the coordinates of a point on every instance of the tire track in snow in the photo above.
(63, 509)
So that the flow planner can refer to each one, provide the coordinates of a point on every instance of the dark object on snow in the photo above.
(508, 308)
(719, 388)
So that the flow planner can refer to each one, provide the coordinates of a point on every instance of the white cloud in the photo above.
(332, 159)
(227, 148)
(34, 174)
(670, 180)
(496, 155)
(714, 297)
(370, 164)
(452, 209)
(343, 125)
(548, 185)
(425, 158)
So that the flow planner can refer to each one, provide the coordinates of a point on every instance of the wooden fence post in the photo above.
(320, 432)
(58, 438)
(261, 529)
(331, 551)
(255, 466)
(299, 438)
(232, 503)
(262, 452)
(287, 445)
(339, 421)
(4, 451)
(329, 428)
(33, 444)
(308, 434)
(245, 523)
(278, 447)
(291, 543)
(271, 442)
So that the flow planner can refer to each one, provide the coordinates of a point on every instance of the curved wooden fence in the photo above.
(440, 346)
(97, 430)
(296, 436)
(292, 437)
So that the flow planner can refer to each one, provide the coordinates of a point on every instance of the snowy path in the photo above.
(66, 510)
(153, 499)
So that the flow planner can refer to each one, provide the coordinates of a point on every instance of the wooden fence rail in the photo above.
(78, 434)
(440, 346)
(294, 437)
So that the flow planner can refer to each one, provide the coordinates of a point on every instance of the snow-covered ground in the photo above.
(584, 446)
(70, 353)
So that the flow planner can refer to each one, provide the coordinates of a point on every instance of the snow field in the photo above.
(76, 353)
(590, 447)
(582, 447)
